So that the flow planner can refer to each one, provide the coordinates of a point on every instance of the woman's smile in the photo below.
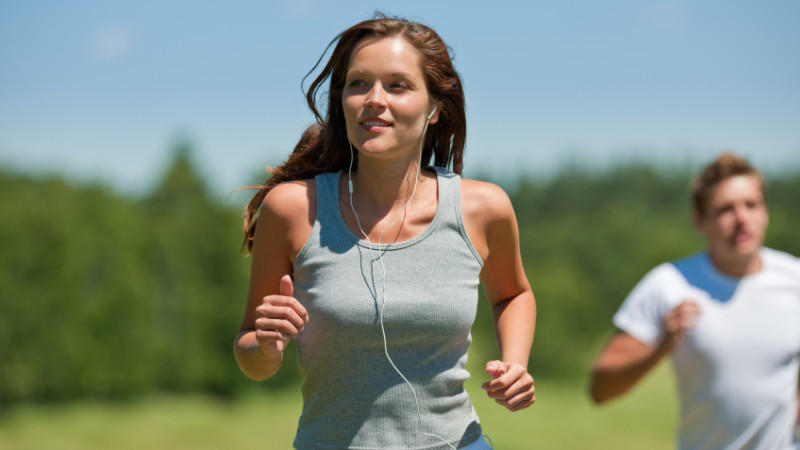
(374, 124)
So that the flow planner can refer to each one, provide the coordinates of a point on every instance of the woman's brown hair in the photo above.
(324, 147)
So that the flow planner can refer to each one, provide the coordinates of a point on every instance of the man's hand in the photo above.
(677, 322)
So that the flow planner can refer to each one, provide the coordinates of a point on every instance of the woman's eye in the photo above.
(400, 86)
(356, 83)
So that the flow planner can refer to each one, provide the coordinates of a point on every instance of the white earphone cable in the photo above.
(383, 266)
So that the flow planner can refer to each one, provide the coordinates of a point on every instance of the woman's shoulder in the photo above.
(486, 199)
(286, 216)
(290, 200)
(487, 213)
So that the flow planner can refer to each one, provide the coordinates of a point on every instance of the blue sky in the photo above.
(101, 90)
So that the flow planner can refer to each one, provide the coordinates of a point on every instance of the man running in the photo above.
(729, 317)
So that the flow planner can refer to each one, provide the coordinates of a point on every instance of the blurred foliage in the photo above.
(108, 296)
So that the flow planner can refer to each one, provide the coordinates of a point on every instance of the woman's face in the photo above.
(385, 100)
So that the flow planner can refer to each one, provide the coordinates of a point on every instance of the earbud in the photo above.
(433, 111)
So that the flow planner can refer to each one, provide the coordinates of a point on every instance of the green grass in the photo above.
(562, 418)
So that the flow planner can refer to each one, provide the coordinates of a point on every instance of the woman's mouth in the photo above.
(371, 124)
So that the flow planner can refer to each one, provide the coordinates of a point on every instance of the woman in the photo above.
(372, 261)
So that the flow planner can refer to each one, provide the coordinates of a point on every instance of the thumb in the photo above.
(286, 286)
(495, 368)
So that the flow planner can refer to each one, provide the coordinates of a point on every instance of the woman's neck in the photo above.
(383, 186)
(389, 202)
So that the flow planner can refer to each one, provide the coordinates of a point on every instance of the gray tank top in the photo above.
(352, 397)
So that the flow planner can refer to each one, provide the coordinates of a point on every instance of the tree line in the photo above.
(105, 295)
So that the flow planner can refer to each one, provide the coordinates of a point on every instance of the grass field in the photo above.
(562, 418)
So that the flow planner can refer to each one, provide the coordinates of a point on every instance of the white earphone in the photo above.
(433, 111)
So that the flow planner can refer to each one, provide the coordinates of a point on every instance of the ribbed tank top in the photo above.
(352, 397)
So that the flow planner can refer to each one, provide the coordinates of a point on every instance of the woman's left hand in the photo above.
(511, 385)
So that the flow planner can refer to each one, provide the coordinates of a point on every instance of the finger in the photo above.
(271, 301)
(679, 328)
(681, 318)
(497, 394)
(689, 313)
(277, 325)
(519, 401)
(286, 287)
(686, 306)
(689, 307)
(687, 318)
(281, 312)
(513, 373)
(274, 340)
(496, 368)
(690, 303)
(281, 331)
(515, 407)
(520, 386)
(268, 336)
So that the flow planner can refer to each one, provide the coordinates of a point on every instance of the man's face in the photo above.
(735, 220)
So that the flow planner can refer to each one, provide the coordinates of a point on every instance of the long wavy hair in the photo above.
(324, 147)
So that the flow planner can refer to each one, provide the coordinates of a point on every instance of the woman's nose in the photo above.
(376, 97)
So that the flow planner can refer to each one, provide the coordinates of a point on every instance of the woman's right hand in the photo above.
(279, 318)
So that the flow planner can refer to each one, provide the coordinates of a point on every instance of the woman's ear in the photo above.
(433, 116)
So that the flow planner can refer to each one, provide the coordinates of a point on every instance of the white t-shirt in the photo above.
(737, 369)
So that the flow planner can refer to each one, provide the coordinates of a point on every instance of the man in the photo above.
(728, 316)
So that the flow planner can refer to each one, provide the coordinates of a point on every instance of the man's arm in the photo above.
(625, 359)
(624, 362)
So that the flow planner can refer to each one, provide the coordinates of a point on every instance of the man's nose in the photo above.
(740, 213)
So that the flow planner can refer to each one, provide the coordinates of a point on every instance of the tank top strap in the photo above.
(327, 196)
(449, 213)
(449, 195)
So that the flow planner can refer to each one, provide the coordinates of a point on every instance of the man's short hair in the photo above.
(725, 166)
